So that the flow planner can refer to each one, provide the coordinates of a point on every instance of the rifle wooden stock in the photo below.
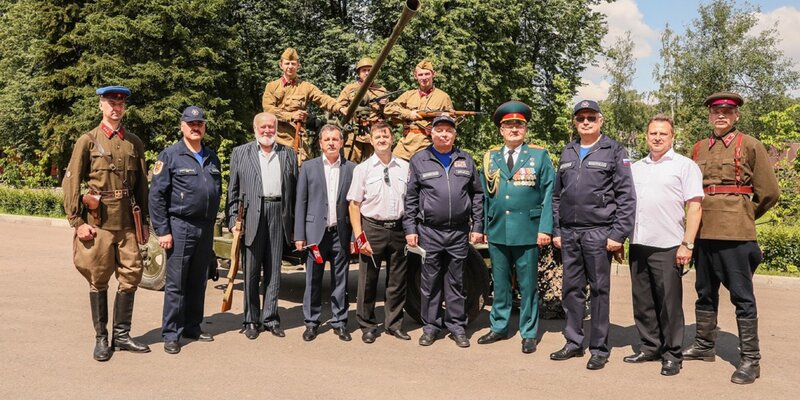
(296, 144)
(227, 297)
(454, 114)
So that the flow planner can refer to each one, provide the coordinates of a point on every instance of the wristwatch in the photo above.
(689, 246)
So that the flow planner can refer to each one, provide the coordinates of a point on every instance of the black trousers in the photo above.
(586, 260)
(731, 263)
(657, 300)
(262, 267)
(387, 245)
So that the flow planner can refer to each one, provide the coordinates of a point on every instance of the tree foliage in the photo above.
(720, 51)
(219, 54)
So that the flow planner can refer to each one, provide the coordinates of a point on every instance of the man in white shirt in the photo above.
(669, 187)
(377, 200)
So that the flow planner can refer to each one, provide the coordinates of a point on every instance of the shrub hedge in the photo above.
(38, 202)
(781, 247)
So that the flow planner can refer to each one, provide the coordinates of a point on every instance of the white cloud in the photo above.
(788, 29)
(621, 16)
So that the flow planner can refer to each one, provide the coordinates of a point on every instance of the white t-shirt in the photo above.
(662, 189)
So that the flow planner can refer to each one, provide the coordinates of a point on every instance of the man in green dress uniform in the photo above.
(518, 181)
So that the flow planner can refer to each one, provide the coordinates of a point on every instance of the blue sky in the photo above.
(646, 20)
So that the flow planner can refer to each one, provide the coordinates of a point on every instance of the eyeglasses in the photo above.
(582, 118)
(386, 175)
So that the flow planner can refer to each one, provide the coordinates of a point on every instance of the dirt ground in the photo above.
(46, 341)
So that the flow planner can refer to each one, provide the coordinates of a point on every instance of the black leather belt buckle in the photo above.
(331, 228)
(271, 198)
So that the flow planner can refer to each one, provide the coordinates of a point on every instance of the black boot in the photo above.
(98, 301)
(703, 346)
(123, 313)
(749, 368)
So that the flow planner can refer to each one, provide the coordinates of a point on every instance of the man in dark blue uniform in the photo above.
(593, 211)
(444, 199)
(184, 197)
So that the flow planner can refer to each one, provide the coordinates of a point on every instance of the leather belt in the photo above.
(271, 198)
(727, 189)
(408, 129)
(114, 194)
(331, 228)
(386, 224)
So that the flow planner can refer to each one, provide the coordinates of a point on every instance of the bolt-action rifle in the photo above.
(236, 254)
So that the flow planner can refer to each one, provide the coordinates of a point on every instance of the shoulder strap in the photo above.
(696, 150)
(737, 158)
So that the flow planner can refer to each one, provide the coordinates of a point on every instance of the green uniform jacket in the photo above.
(522, 203)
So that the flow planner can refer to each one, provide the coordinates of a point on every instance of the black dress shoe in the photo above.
(461, 340)
(125, 342)
(566, 353)
(427, 339)
(342, 333)
(251, 331)
(310, 333)
(368, 336)
(276, 330)
(596, 362)
(398, 333)
(490, 338)
(641, 357)
(202, 337)
(670, 368)
(172, 347)
(528, 346)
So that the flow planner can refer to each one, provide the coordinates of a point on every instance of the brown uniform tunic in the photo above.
(415, 137)
(362, 149)
(729, 216)
(114, 249)
(284, 98)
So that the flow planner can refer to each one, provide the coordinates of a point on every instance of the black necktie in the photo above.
(510, 161)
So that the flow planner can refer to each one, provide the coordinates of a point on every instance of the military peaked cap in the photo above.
(724, 99)
(114, 92)
(512, 110)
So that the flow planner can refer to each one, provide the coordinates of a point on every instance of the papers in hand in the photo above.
(416, 250)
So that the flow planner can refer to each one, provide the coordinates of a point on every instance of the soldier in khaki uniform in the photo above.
(364, 118)
(740, 186)
(111, 162)
(288, 98)
(416, 133)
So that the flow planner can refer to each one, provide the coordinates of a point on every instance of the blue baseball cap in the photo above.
(586, 105)
(113, 92)
(192, 114)
(444, 117)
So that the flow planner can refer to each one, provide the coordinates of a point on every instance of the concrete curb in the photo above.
(38, 221)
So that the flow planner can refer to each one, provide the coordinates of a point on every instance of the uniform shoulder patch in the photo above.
(158, 167)
(535, 146)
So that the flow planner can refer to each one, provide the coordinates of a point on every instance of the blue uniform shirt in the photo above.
(184, 188)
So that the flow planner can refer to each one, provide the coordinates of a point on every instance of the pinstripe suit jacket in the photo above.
(245, 177)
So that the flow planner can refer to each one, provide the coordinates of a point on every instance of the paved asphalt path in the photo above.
(46, 341)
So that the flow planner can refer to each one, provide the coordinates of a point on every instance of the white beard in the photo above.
(266, 140)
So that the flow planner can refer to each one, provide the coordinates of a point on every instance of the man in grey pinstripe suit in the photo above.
(265, 173)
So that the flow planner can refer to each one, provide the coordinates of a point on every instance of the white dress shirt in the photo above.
(514, 156)
(332, 182)
(380, 200)
(662, 189)
(270, 173)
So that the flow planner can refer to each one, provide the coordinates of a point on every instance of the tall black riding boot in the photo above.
(98, 301)
(123, 313)
(749, 369)
(705, 339)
